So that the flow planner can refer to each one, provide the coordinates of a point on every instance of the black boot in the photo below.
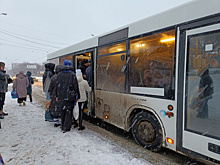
(5, 114)
(74, 122)
(1, 116)
(81, 128)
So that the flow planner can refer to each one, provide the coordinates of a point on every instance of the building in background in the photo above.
(35, 68)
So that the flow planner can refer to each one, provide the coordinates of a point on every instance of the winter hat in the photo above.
(68, 63)
(28, 73)
(78, 72)
(49, 66)
(58, 68)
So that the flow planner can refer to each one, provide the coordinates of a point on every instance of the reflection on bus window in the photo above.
(111, 69)
(203, 84)
(152, 62)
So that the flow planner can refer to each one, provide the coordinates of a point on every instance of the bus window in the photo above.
(203, 84)
(152, 63)
(70, 57)
(112, 49)
(111, 68)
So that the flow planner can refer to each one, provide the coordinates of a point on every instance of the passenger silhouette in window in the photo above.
(147, 79)
(206, 89)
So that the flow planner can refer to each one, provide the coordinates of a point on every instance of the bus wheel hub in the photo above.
(146, 131)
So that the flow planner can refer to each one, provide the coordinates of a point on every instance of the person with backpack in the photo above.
(67, 93)
(29, 88)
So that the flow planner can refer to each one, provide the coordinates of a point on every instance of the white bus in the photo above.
(159, 78)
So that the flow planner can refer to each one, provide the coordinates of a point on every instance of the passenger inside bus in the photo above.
(147, 79)
(83, 65)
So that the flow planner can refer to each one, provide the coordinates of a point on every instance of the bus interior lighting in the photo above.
(140, 45)
(169, 140)
(168, 39)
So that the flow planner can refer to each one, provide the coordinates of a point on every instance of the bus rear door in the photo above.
(199, 118)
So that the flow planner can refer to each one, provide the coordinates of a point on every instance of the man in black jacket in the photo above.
(4, 81)
(67, 92)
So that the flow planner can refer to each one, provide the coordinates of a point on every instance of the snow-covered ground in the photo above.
(25, 138)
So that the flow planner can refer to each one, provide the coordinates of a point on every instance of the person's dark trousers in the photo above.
(66, 115)
(203, 110)
(2, 101)
(30, 96)
(81, 108)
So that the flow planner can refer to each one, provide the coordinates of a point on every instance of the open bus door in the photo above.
(80, 58)
(89, 108)
(199, 118)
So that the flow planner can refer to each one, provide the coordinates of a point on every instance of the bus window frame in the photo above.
(111, 54)
(174, 67)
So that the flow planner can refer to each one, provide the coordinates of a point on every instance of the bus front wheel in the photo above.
(147, 131)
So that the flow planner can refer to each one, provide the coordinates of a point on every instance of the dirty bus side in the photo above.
(133, 89)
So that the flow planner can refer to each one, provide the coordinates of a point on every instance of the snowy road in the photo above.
(27, 139)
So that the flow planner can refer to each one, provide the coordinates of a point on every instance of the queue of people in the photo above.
(65, 89)
(22, 85)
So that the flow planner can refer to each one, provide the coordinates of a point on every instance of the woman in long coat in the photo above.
(20, 84)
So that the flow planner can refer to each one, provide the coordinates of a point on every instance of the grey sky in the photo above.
(34, 28)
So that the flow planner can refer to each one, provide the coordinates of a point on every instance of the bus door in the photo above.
(89, 107)
(201, 91)
(79, 59)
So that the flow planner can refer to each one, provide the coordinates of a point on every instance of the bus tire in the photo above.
(147, 131)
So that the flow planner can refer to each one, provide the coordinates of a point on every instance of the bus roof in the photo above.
(180, 14)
